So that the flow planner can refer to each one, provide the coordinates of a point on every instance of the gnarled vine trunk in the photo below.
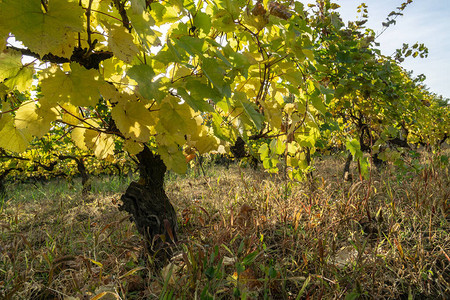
(85, 177)
(346, 174)
(150, 207)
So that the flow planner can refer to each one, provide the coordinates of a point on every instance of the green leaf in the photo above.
(249, 109)
(352, 296)
(222, 132)
(249, 258)
(193, 46)
(143, 75)
(203, 22)
(355, 148)
(272, 272)
(196, 103)
(318, 104)
(201, 90)
(138, 7)
(215, 73)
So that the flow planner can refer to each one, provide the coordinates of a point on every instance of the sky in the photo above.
(424, 21)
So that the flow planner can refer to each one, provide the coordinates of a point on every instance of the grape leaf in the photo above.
(176, 117)
(204, 141)
(80, 87)
(133, 120)
(3, 37)
(70, 114)
(10, 64)
(198, 89)
(197, 104)
(12, 138)
(142, 22)
(215, 73)
(22, 81)
(83, 137)
(163, 14)
(249, 109)
(104, 145)
(34, 119)
(143, 75)
(263, 151)
(138, 7)
(202, 21)
(173, 158)
(318, 104)
(42, 31)
(13, 73)
(77, 135)
(355, 148)
(133, 147)
(120, 41)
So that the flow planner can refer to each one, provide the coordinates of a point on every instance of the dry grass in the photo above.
(244, 234)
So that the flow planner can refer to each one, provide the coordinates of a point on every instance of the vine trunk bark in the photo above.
(346, 174)
(151, 210)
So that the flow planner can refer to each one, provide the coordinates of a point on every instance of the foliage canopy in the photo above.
(185, 76)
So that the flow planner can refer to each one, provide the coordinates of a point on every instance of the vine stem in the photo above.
(88, 23)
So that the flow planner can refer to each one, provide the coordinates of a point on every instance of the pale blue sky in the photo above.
(424, 21)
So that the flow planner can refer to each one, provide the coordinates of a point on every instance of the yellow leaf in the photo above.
(83, 137)
(13, 74)
(133, 120)
(109, 93)
(104, 145)
(133, 147)
(204, 142)
(78, 138)
(176, 117)
(71, 114)
(173, 158)
(99, 295)
(66, 67)
(120, 41)
(167, 139)
(3, 37)
(96, 262)
(34, 119)
(11, 138)
(131, 272)
(10, 64)
(80, 87)
(112, 69)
